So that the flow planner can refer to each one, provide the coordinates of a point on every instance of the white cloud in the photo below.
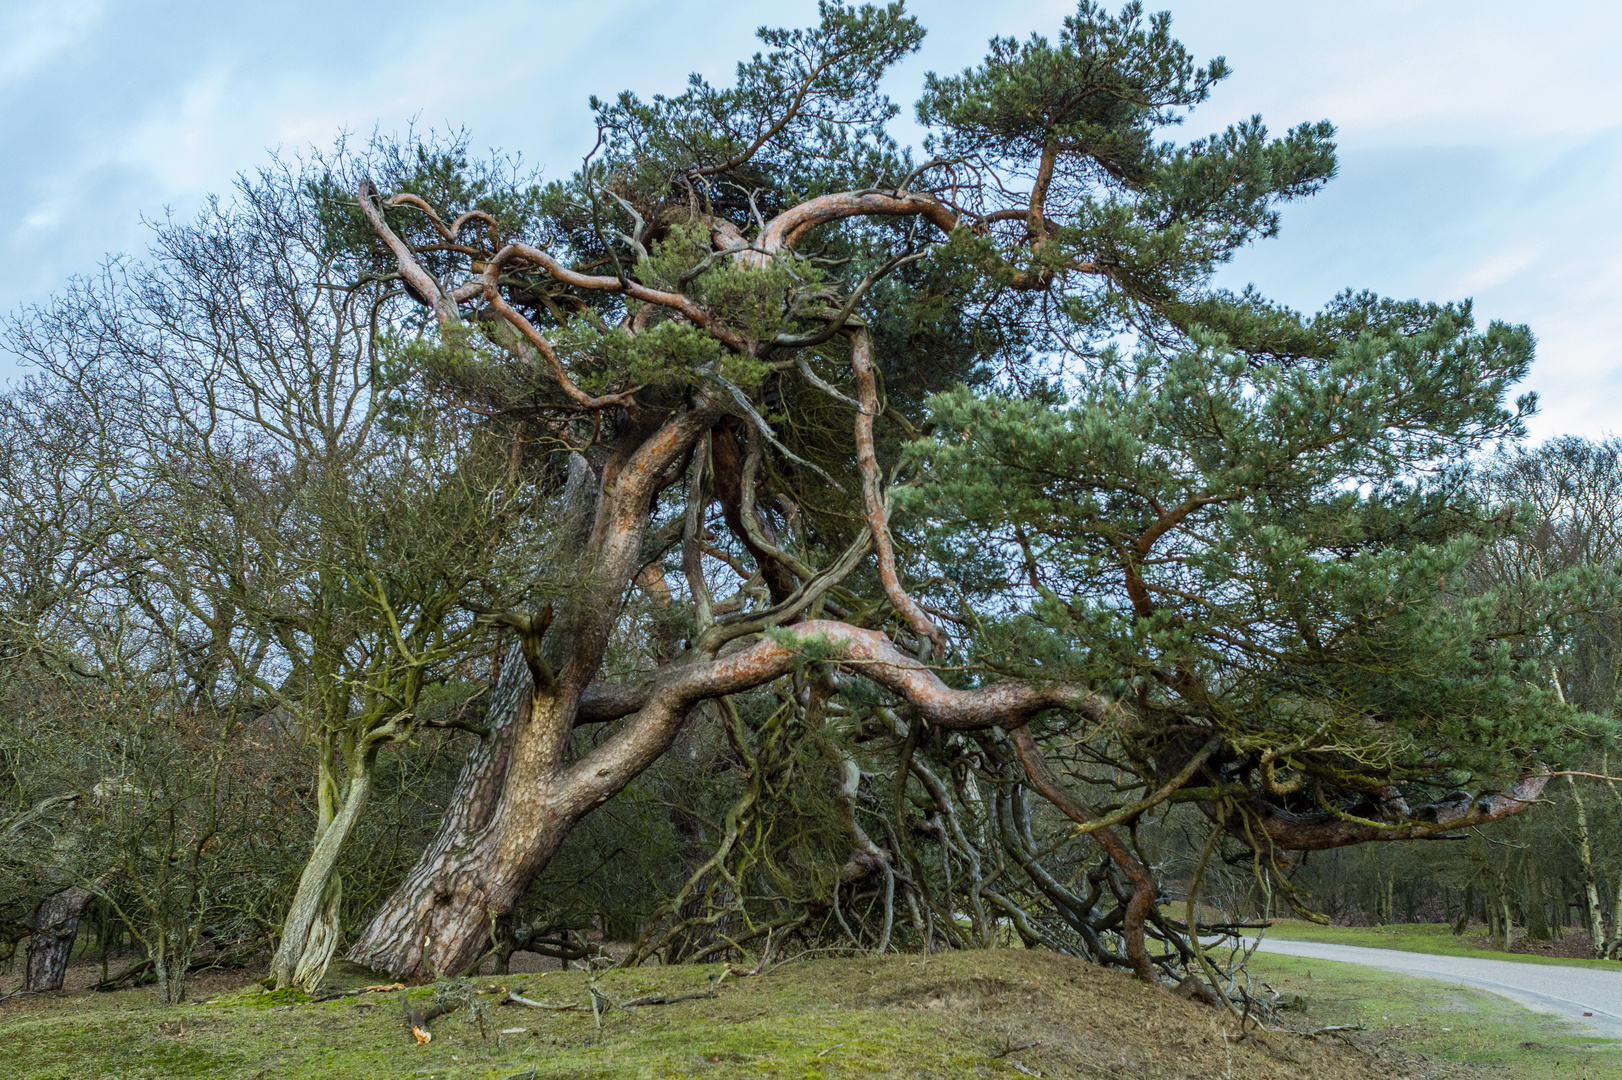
(1494, 270)
(40, 34)
(182, 142)
(44, 216)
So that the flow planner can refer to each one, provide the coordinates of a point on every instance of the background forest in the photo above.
(771, 539)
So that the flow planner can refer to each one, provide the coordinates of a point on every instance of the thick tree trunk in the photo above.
(521, 800)
(56, 926)
(441, 920)
(443, 923)
(310, 931)
(393, 940)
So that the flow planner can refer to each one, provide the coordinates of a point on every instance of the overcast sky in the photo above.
(1480, 142)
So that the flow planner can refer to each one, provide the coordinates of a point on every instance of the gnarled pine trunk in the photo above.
(442, 918)
(393, 940)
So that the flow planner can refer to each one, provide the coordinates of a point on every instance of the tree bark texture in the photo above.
(310, 931)
(393, 939)
(56, 926)
(1585, 853)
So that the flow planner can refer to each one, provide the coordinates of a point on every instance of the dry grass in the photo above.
(1000, 1013)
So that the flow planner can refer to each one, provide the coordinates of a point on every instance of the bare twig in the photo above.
(519, 999)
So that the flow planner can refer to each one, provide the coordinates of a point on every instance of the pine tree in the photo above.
(975, 444)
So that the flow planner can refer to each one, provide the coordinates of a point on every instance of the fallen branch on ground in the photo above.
(417, 1020)
(333, 995)
(141, 972)
(519, 999)
(669, 999)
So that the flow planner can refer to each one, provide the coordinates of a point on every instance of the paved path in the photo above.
(1569, 992)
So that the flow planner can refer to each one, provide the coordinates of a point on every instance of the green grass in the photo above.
(986, 1014)
(1429, 1017)
(1434, 938)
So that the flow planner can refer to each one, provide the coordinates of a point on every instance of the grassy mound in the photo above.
(1001, 1013)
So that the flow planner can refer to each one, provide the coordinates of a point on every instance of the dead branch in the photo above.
(518, 999)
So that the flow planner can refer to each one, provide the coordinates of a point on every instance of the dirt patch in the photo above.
(1574, 944)
(81, 975)
(1063, 1017)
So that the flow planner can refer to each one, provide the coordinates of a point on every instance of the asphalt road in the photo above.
(1570, 992)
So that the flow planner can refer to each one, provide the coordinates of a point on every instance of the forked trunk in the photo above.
(310, 931)
(170, 960)
(515, 800)
(442, 919)
(1585, 852)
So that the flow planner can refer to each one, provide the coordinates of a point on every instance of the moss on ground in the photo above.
(1000, 1013)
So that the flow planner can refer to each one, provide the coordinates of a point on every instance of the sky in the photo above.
(1480, 142)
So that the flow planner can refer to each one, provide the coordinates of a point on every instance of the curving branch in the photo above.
(602, 773)
(516, 319)
(875, 504)
(424, 284)
(445, 305)
(873, 656)
(449, 232)
(838, 320)
(676, 302)
(759, 423)
(788, 228)
(1139, 907)
(780, 570)
(793, 606)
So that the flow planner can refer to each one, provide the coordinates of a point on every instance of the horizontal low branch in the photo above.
(598, 776)
(873, 656)
(1321, 831)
